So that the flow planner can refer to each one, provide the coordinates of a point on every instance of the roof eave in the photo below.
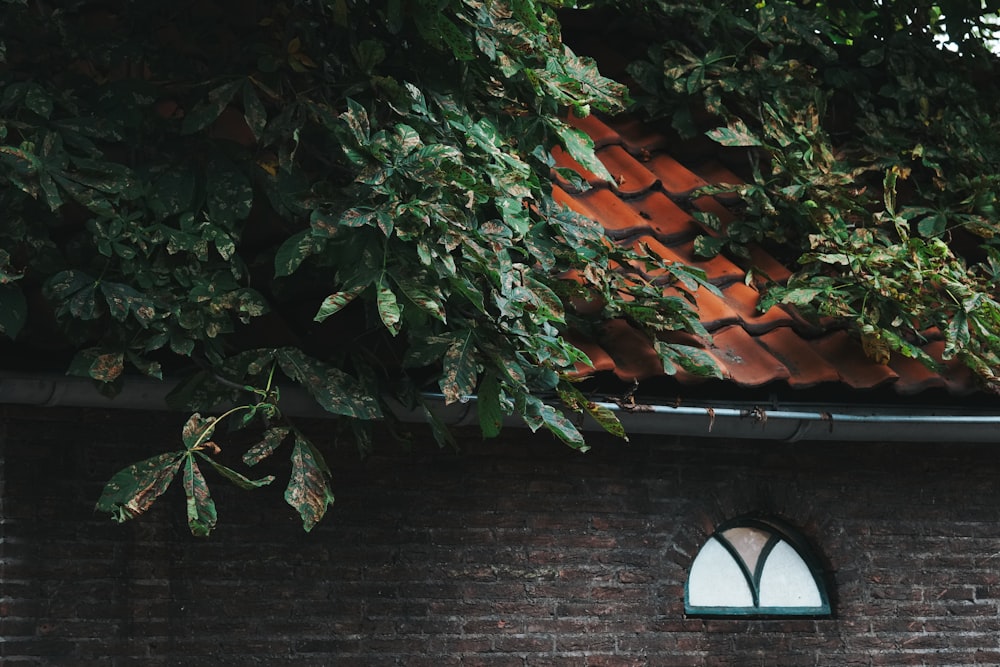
(788, 421)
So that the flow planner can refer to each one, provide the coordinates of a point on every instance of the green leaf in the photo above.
(84, 304)
(607, 419)
(736, 134)
(229, 195)
(173, 192)
(356, 119)
(872, 58)
(294, 250)
(197, 430)
(394, 16)
(457, 41)
(543, 295)
(427, 298)
(441, 33)
(308, 490)
(368, 54)
(932, 225)
(708, 246)
(13, 310)
(957, 335)
(461, 368)
(335, 302)
(574, 399)
(538, 414)
(97, 363)
(7, 273)
(692, 359)
(123, 299)
(200, 506)
(336, 391)
(38, 100)
(388, 308)
(425, 164)
(489, 406)
(698, 362)
(889, 190)
(581, 148)
(254, 112)
(132, 490)
(800, 296)
(356, 217)
(273, 437)
(146, 366)
(208, 110)
(235, 477)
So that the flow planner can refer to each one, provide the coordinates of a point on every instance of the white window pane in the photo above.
(716, 580)
(786, 580)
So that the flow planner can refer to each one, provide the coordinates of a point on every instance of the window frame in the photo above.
(778, 531)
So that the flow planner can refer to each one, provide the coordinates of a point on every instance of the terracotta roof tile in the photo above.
(718, 270)
(714, 171)
(805, 365)
(653, 202)
(639, 137)
(845, 354)
(630, 175)
(714, 311)
(633, 356)
(744, 300)
(607, 208)
(677, 179)
(597, 130)
(672, 223)
(743, 360)
(600, 360)
(915, 377)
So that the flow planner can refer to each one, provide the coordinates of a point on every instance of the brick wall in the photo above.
(508, 554)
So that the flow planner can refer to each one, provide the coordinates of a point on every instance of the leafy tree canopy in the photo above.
(354, 196)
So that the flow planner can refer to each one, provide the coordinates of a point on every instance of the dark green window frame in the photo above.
(777, 532)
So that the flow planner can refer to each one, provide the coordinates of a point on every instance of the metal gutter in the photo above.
(790, 422)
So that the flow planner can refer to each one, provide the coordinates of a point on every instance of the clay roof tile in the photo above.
(631, 177)
(655, 202)
(744, 360)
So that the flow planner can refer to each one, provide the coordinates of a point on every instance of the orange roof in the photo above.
(652, 203)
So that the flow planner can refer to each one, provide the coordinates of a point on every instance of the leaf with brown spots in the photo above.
(200, 506)
(356, 118)
(273, 437)
(736, 134)
(308, 490)
(295, 249)
(99, 364)
(388, 307)
(336, 302)
(133, 489)
(875, 348)
(197, 428)
(461, 368)
(236, 478)
(336, 391)
(574, 399)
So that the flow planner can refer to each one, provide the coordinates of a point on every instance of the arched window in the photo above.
(755, 567)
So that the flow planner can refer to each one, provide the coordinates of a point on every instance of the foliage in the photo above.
(354, 196)
(875, 155)
(351, 195)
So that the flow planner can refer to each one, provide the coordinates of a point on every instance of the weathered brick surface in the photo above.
(514, 553)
